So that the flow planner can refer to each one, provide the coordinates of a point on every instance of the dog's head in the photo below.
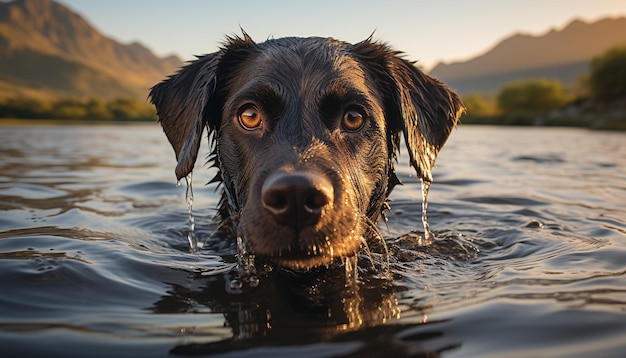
(305, 135)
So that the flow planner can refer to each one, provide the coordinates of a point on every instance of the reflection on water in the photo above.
(285, 309)
(527, 255)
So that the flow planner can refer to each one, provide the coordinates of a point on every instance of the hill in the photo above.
(563, 55)
(49, 51)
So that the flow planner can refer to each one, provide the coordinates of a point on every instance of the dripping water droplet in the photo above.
(191, 236)
(245, 259)
(236, 285)
(246, 271)
(351, 266)
(425, 187)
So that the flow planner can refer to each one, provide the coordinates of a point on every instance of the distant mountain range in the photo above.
(49, 51)
(562, 55)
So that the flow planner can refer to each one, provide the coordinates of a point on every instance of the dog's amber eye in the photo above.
(352, 120)
(250, 117)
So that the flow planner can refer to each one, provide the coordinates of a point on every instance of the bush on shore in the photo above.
(120, 109)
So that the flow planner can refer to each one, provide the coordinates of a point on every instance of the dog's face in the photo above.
(305, 137)
(303, 148)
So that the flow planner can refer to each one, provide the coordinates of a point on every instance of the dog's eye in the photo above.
(250, 117)
(352, 120)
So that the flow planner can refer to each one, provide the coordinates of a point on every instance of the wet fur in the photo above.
(303, 86)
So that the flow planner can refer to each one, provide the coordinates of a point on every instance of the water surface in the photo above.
(529, 257)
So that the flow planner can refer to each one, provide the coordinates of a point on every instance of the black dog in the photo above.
(305, 133)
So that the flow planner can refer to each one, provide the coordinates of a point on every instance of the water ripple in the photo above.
(528, 255)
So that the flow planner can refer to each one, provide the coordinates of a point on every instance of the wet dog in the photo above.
(305, 134)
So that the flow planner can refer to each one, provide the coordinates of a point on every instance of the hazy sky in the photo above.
(427, 31)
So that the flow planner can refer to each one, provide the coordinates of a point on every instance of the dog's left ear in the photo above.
(421, 107)
(180, 102)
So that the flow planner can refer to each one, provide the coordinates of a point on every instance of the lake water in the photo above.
(529, 258)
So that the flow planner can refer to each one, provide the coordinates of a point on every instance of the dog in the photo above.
(305, 133)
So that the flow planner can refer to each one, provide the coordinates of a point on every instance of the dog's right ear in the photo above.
(180, 103)
(421, 107)
(182, 100)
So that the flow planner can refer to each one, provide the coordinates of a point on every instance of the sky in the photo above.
(426, 31)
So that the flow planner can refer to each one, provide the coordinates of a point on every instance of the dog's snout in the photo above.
(297, 199)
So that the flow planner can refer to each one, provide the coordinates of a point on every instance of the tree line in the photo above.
(120, 109)
(599, 99)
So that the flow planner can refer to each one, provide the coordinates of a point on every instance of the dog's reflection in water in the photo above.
(286, 308)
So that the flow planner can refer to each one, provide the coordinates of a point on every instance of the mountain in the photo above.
(49, 51)
(563, 55)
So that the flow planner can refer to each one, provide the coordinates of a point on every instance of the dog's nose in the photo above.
(297, 199)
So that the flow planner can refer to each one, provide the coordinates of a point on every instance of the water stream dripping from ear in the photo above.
(191, 236)
(428, 235)
(351, 267)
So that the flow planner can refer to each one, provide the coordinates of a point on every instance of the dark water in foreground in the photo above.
(529, 261)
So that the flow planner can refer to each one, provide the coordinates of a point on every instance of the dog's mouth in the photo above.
(314, 256)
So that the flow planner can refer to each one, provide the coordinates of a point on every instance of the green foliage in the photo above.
(607, 79)
(68, 109)
(97, 109)
(121, 109)
(129, 108)
(536, 96)
(478, 105)
(24, 108)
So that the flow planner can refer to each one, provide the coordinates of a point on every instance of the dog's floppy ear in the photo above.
(180, 103)
(429, 111)
(421, 107)
(182, 100)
